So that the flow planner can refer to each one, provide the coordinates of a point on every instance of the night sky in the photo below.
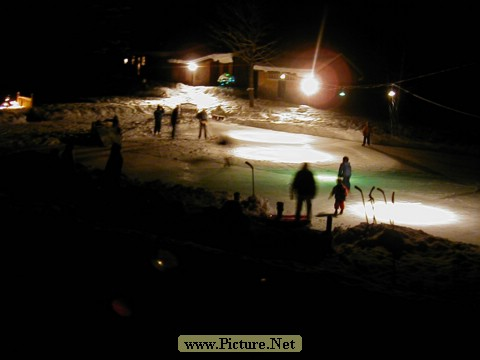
(387, 40)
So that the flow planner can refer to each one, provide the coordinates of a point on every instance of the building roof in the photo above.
(303, 71)
(300, 61)
(282, 69)
(224, 58)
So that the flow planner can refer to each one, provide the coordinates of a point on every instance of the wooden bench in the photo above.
(188, 110)
(218, 117)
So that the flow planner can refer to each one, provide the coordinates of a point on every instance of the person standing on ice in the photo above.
(202, 117)
(67, 159)
(345, 172)
(113, 167)
(340, 192)
(174, 120)
(304, 189)
(366, 131)
(158, 115)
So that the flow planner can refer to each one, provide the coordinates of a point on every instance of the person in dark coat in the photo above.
(113, 168)
(67, 159)
(304, 189)
(115, 122)
(115, 135)
(345, 172)
(340, 192)
(366, 131)
(202, 117)
(158, 115)
(174, 119)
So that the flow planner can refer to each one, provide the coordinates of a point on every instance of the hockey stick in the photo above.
(393, 202)
(372, 202)
(253, 178)
(363, 200)
(383, 193)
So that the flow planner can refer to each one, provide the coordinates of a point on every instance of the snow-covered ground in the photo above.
(436, 193)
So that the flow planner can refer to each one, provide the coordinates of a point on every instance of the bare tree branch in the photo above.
(243, 31)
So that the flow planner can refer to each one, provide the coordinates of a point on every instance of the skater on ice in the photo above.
(366, 131)
(340, 192)
(304, 189)
(345, 172)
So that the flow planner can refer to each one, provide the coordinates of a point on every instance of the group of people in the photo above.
(304, 188)
(201, 116)
(113, 167)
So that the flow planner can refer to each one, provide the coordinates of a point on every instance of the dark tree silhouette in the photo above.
(243, 30)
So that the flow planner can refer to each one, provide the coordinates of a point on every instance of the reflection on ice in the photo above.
(278, 147)
(326, 178)
(282, 154)
(269, 136)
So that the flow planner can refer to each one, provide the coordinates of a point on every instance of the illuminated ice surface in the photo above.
(435, 192)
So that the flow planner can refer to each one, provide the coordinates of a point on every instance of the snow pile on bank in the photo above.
(410, 261)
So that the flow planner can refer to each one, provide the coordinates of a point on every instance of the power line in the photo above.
(395, 84)
(389, 84)
(435, 103)
(434, 73)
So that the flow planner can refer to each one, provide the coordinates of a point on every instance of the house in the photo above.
(20, 102)
(282, 79)
(204, 70)
(191, 65)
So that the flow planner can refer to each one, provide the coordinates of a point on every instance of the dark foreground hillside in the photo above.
(107, 265)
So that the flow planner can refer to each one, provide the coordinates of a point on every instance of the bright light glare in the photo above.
(192, 66)
(271, 137)
(327, 178)
(310, 85)
(202, 100)
(277, 146)
(391, 93)
(404, 213)
(11, 105)
(282, 154)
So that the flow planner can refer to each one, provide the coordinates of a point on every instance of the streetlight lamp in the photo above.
(310, 85)
(193, 68)
(392, 109)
